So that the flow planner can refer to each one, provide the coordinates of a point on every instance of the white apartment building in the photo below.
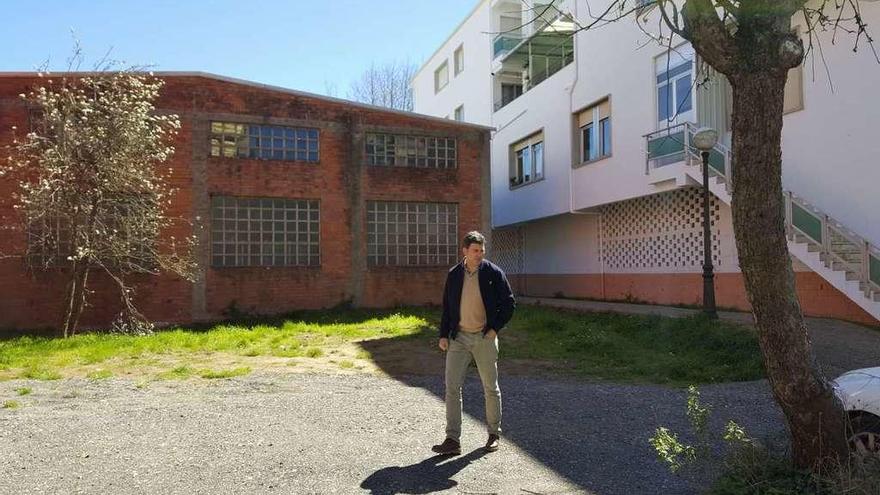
(595, 186)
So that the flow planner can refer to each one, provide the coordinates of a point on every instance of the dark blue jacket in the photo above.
(494, 290)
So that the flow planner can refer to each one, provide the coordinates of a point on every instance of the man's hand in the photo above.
(444, 344)
(491, 334)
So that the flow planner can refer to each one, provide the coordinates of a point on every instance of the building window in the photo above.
(124, 243)
(441, 77)
(527, 163)
(794, 90)
(674, 86)
(49, 241)
(412, 234)
(459, 113)
(459, 59)
(264, 232)
(268, 142)
(595, 131)
(401, 150)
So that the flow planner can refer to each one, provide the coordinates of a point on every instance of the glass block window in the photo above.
(268, 142)
(410, 151)
(264, 232)
(412, 234)
(49, 241)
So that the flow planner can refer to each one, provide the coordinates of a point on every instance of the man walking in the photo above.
(477, 303)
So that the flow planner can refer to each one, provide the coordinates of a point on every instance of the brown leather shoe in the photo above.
(448, 447)
(492, 444)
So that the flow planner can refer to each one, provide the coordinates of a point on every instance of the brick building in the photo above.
(304, 202)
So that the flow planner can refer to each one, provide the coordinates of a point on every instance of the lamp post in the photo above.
(704, 140)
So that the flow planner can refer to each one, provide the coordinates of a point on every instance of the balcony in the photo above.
(534, 60)
(505, 42)
(674, 145)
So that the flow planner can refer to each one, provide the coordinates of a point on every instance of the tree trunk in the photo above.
(815, 416)
(81, 300)
(75, 298)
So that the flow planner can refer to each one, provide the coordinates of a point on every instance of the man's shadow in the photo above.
(425, 477)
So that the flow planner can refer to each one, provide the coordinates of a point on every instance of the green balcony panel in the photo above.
(505, 44)
(875, 269)
(806, 222)
(716, 161)
(666, 145)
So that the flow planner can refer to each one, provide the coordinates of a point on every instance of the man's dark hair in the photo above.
(473, 237)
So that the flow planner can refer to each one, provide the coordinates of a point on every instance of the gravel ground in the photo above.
(322, 433)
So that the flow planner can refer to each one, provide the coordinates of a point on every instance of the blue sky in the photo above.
(299, 44)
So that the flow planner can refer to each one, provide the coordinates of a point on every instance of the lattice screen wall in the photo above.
(506, 250)
(662, 232)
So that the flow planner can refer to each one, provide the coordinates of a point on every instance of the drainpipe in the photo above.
(571, 209)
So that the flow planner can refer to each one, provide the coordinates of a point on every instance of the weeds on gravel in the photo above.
(23, 391)
(99, 375)
(748, 467)
(11, 404)
(212, 374)
(183, 372)
(177, 373)
(40, 374)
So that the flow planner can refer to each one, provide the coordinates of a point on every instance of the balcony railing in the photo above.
(505, 42)
(546, 65)
(839, 247)
(504, 100)
(674, 145)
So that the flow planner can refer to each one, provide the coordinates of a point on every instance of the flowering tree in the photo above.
(92, 197)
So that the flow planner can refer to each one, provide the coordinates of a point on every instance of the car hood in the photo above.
(860, 390)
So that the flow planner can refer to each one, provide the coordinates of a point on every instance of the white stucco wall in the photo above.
(831, 148)
(472, 87)
(831, 152)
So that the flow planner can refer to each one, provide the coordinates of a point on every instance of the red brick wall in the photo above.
(341, 182)
(817, 297)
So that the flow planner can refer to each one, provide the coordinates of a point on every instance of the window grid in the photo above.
(268, 142)
(264, 232)
(411, 151)
(528, 160)
(49, 241)
(411, 234)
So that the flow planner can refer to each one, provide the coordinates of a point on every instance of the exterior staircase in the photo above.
(847, 261)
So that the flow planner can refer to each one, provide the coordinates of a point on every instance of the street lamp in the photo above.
(704, 140)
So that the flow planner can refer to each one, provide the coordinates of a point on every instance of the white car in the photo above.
(860, 392)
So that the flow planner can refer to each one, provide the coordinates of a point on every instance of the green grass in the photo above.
(211, 374)
(346, 363)
(100, 374)
(11, 404)
(299, 334)
(40, 373)
(23, 391)
(615, 347)
(178, 373)
(673, 351)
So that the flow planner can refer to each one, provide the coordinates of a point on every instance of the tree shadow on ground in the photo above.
(428, 476)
